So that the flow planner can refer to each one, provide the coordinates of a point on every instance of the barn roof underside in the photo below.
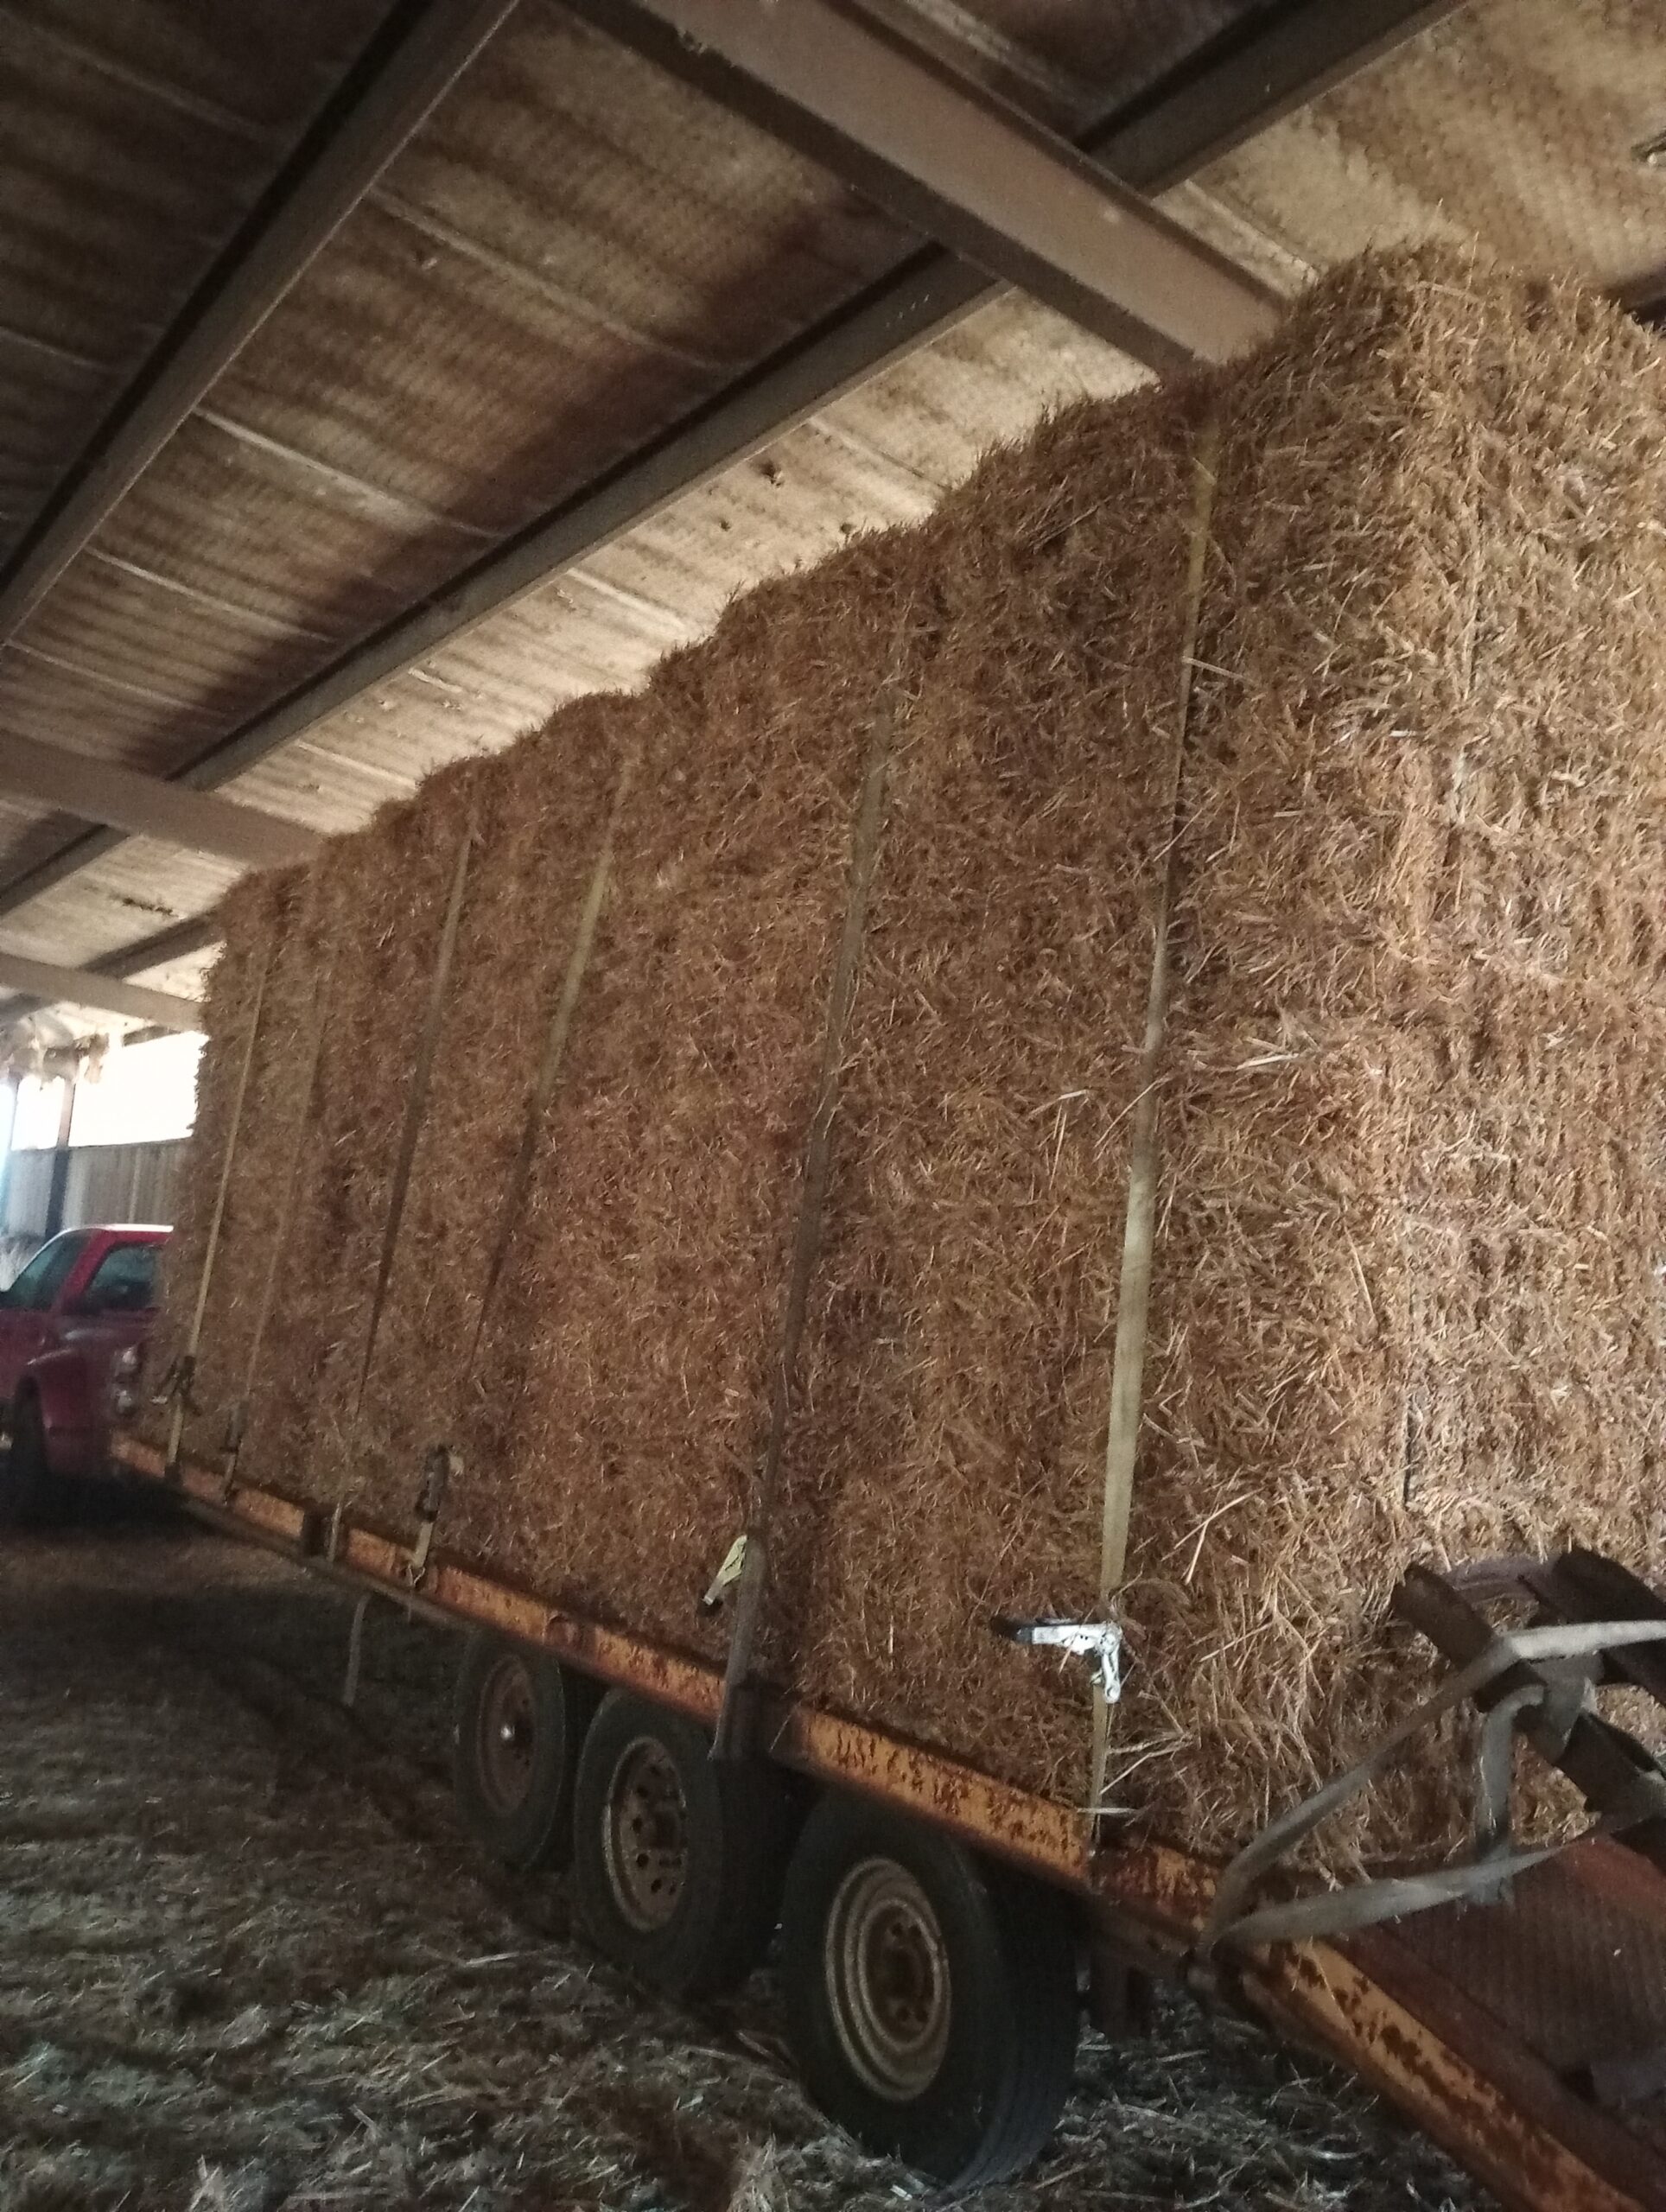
(587, 310)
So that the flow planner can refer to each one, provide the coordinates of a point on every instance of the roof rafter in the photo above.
(148, 806)
(51, 985)
(955, 163)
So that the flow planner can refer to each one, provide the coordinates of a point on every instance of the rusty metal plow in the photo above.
(1535, 1681)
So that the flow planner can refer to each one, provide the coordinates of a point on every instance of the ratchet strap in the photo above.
(442, 1464)
(1233, 1922)
(1139, 1228)
(238, 1423)
(416, 1102)
(751, 1587)
(548, 1069)
(176, 1385)
(440, 1467)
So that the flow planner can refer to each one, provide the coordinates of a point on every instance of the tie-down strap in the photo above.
(1233, 1922)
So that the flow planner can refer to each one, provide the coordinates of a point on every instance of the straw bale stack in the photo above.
(1407, 1293)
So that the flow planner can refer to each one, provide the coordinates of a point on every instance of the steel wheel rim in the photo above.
(506, 1739)
(888, 1979)
(644, 1835)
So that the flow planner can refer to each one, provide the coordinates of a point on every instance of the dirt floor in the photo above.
(247, 1961)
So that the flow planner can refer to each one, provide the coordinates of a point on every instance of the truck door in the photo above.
(27, 1321)
(113, 1308)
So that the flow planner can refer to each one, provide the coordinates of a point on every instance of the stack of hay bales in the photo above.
(1406, 1295)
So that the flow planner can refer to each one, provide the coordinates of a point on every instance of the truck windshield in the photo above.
(44, 1277)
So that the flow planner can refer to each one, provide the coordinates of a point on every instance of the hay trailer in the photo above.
(711, 1116)
(940, 1932)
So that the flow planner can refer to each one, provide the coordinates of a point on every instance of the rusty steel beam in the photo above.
(50, 985)
(148, 806)
(1458, 2075)
(1248, 78)
(1241, 85)
(160, 950)
(957, 163)
(415, 57)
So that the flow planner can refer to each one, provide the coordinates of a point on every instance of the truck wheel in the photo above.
(676, 1861)
(25, 1475)
(520, 1718)
(930, 1994)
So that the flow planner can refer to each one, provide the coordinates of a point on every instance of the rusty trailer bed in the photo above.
(1528, 2037)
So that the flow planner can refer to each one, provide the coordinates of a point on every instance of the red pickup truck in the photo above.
(85, 1297)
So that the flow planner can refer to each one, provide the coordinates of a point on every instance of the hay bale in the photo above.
(622, 1394)
(1406, 1296)
(261, 965)
(540, 817)
(945, 1460)
(1397, 1261)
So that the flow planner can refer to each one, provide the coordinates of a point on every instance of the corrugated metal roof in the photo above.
(882, 452)
(573, 252)
(1517, 122)
(133, 139)
(136, 891)
(561, 263)
(1060, 58)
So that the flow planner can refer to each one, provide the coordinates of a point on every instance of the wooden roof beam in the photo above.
(150, 806)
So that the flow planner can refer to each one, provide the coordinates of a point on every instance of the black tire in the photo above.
(678, 1860)
(520, 1719)
(26, 1482)
(930, 1994)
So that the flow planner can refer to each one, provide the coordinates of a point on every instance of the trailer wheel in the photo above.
(26, 1482)
(930, 1995)
(520, 1718)
(678, 1860)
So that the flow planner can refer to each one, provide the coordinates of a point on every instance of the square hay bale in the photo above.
(1407, 1296)
(623, 1390)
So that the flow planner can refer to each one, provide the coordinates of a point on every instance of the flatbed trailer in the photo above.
(1526, 2034)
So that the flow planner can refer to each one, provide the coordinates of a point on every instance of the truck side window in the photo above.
(40, 1282)
(123, 1281)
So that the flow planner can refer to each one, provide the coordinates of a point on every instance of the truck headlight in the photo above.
(125, 1382)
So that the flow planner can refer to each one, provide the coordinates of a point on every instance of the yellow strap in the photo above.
(304, 1122)
(555, 1050)
(186, 1365)
(806, 1243)
(416, 1102)
(1139, 1228)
